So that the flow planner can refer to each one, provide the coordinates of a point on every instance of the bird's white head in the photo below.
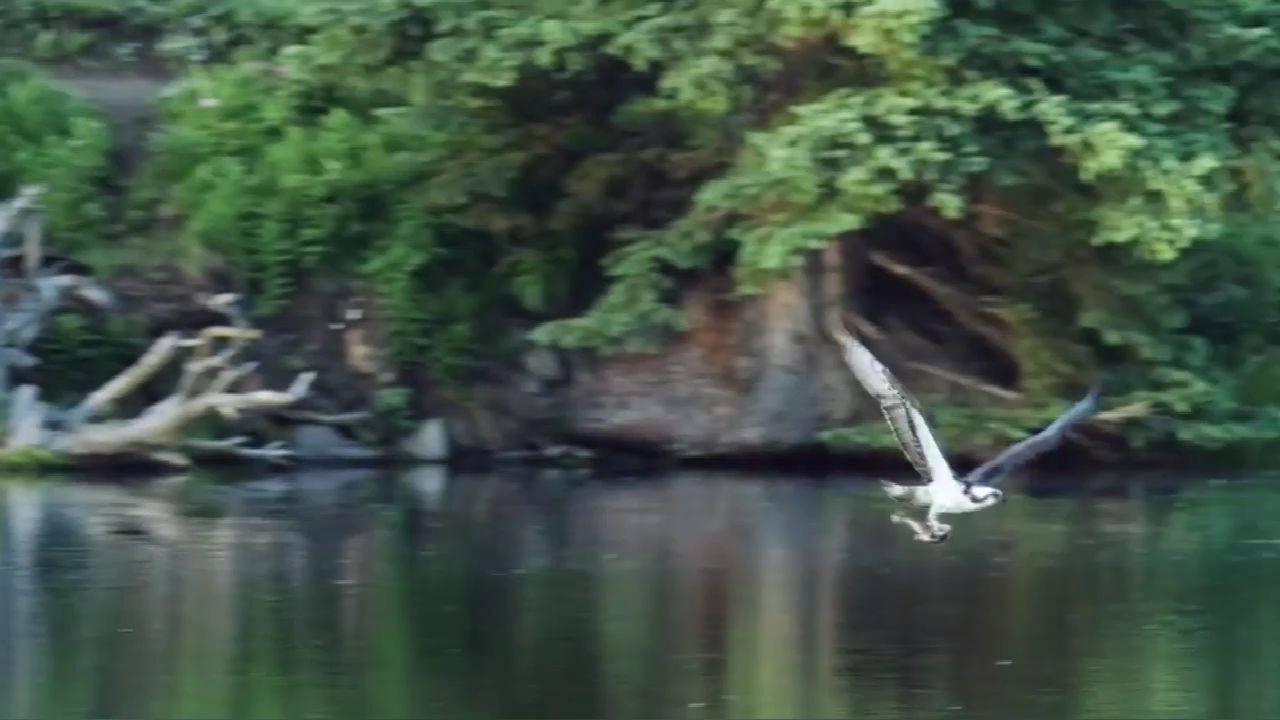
(983, 496)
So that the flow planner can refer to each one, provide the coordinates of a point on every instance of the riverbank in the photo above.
(623, 409)
(538, 230)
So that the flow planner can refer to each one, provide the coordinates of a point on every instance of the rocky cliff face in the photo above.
(756, 375)
(750, 375)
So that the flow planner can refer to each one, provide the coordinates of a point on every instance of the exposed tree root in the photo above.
(959, 305)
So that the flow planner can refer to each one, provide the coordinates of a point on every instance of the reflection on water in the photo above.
(353, 595)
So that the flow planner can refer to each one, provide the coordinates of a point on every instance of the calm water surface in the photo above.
(359, 595)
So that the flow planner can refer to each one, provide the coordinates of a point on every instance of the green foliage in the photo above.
(1135, 155)
(77, 354)
(186, 31)
(921, 117)
(48, 137)
(1117, 164)
(334, 161)
(31, 460)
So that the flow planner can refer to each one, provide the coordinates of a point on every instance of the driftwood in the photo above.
(205, 388)
(210, 376)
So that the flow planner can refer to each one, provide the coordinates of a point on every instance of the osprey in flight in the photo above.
(944, 493)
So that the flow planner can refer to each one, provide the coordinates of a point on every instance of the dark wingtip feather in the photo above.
(1083, 407)
(1046, 439)
(1092, 398)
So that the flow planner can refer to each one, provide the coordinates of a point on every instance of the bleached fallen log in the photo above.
(207, 385)
(14, 211)
(160, 426)
(130, 379)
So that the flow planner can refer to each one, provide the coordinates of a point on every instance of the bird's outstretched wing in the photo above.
(900, 410)
(996, 468)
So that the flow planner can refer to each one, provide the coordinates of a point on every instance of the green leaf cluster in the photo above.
(1128, 155)
(331, 162)
(184, 31)
(48, 137)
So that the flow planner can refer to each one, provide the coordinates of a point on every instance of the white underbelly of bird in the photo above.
(938, 500)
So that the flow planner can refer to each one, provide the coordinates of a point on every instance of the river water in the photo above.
(367, 595)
